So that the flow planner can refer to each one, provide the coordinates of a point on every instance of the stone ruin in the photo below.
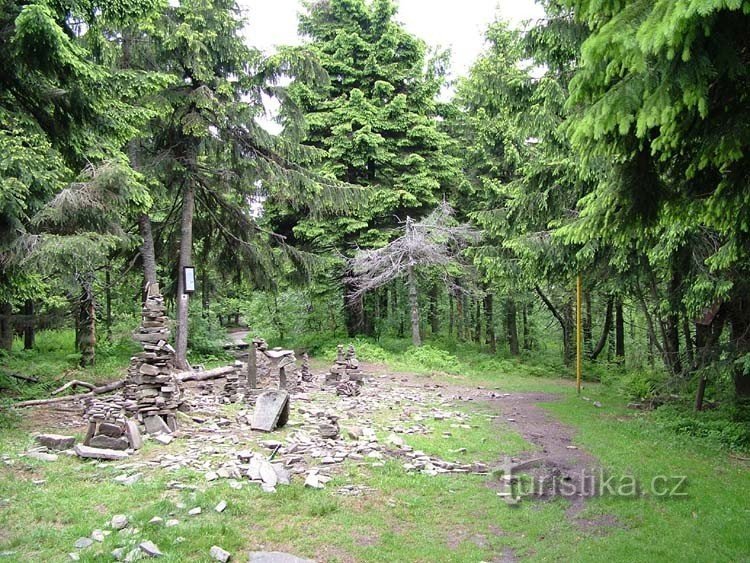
(152, 391)
(108, 428)
(345, 373)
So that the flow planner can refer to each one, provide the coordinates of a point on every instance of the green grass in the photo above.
(405, 516)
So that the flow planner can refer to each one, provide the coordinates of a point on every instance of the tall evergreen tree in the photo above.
(377, 121)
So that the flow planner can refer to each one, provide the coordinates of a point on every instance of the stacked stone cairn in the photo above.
(346, 370)
(108, 428)
(151, 383)
(233, 391)
(305, 374)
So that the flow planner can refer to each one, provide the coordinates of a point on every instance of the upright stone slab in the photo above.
(271, 410)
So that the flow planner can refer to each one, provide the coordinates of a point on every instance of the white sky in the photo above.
(455, 24)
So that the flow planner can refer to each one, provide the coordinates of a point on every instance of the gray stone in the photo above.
(171, 523)
(276, 557)
(195, 511)
(149, 548)
(221, 506)
(156, 425)
(55, 441)
(219, 554)
(83, 543)
(42, 456)
(118, 554)
(164, 439)
(109, 443)
(97, 535)
(134, 435)
(99, 453)
(111, 430)
(119, 521)
(271, 410)
(268, 474)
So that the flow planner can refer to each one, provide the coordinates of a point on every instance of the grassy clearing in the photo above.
(400, 516)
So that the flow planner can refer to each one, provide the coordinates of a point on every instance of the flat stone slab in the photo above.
(156, 425)
(109, 443)
(276, 557)
(271, 410)
(99, 453)
(55, 441)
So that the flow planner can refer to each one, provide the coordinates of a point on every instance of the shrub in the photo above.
(433, 359)
(641, 385)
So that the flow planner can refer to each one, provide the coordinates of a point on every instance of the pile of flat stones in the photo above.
(233, 390)
(108, 427)
(151, 388)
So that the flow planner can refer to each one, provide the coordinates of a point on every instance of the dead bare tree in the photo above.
(435, 241)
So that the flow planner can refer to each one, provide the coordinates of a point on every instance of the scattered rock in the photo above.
(219, 554)
(149, 548)
(83, 543)
(221, 506)
(171, 523)
(119, 521)
(99, 453)
(195, 511)
(164, 439)
(97, 535)
(55, 441)
(156, 520)
(41, 456)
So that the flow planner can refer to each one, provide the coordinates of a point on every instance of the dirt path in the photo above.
(556, 466)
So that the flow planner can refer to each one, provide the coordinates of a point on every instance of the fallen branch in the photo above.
(95, 391)
(74, 383)
(22, 377)
(203, 375)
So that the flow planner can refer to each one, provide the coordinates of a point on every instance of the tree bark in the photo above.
(29, 328)
(87, 324)
(527, 343)
(689, 345)
(619, 332)
(565, 323)
(588, 336)
(489, 316)
(416, 339)
(6, 326)
(108, 300)
(185, 259)
(605, 330)
(353, 309)
(511, 326)
(739, 317)
(434, 316)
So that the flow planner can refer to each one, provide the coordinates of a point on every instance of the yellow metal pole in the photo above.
(579, 332)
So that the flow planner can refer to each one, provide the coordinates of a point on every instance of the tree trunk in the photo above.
(148, 254)
(478, 320)
(605, 331)
(434, 316)
(6, 326)
(108, 300)
(416, 339)
(490, 339)
(460, 316)
(87, 324)
(527, 344)
(511, 326)
(588, 336)
(619, 332)
(568, 346)
(689, 347)
(565, 323)
(739, 316)
(353, 309)
(451, 314)
(185, 259)
(29, 328)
